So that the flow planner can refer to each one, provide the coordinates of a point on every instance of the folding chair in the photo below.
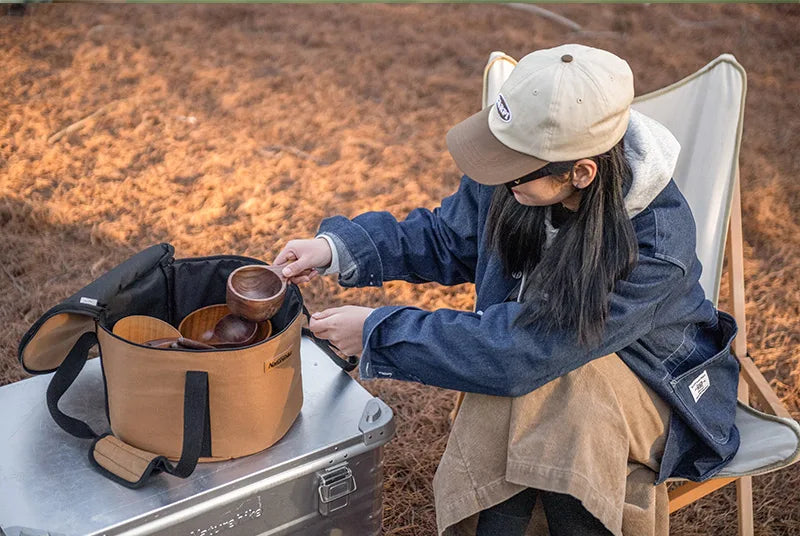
(705, 112)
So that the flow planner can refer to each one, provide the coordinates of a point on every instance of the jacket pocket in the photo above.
(685, 352)
(707, 389)
(700, 342)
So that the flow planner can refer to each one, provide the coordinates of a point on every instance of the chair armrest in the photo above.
(761, 388)
(687, 493)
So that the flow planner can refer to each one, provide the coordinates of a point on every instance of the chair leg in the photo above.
(459, 400)
(744, 485)
(744, 504)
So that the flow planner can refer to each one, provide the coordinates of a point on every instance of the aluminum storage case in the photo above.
(324, 477)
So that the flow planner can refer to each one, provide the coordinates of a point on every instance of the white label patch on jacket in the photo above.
(699, 386)
(88, 301)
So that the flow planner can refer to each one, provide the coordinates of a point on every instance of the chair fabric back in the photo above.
(705, 112)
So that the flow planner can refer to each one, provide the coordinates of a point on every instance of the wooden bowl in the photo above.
(255, 292)
(199, 326)
(140, 329)
(200, 323)
(264, 331)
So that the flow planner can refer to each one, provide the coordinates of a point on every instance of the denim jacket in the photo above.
(660, 323)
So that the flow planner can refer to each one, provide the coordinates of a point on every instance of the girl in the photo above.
(595, 368)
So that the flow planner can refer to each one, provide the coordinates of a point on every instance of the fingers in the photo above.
(323, 323)
(287, 254)
(305, 277)
(319, 315)
(297, 268)
(296, 260)
(319, 330)
(299, 258)
(342, 326)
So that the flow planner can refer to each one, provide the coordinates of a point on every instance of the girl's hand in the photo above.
(342, 326)
(299, 258)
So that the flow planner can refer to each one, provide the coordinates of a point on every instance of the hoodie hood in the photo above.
(652, 153)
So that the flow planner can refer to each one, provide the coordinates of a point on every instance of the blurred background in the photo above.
(232, 129)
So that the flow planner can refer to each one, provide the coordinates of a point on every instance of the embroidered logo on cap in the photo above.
(502, 109)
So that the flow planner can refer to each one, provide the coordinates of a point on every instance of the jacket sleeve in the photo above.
(488, 354)
(439, 245)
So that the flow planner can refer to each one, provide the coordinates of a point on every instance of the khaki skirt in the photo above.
(597, 434)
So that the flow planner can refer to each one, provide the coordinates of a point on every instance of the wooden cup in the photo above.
(255, 292)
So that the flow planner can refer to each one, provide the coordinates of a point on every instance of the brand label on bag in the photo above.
(88, 301)
(278, 360)
(699, 386)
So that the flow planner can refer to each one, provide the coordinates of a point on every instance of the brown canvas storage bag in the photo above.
(171, 404)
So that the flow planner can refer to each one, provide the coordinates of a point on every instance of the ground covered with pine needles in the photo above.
(232, 129)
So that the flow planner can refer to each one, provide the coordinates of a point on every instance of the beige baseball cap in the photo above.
(558, 104)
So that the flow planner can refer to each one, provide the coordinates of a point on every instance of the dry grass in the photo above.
(230, 129)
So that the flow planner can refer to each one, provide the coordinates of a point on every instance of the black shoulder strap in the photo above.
(61, 381)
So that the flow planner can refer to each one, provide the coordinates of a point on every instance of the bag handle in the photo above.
(131, 467)
(346, 363)
(64, 377)
(115, 459)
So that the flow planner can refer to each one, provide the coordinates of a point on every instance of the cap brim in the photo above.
(482, 157)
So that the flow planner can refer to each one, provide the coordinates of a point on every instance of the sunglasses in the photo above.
(553, 168)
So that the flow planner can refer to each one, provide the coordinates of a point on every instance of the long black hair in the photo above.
(568, 284)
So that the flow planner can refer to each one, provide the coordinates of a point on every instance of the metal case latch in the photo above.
(335, 486)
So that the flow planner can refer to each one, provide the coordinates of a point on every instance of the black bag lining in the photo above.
(292, 308)
(105, 289)
(156, 284)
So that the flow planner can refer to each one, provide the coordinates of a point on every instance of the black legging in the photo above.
(566, 516)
